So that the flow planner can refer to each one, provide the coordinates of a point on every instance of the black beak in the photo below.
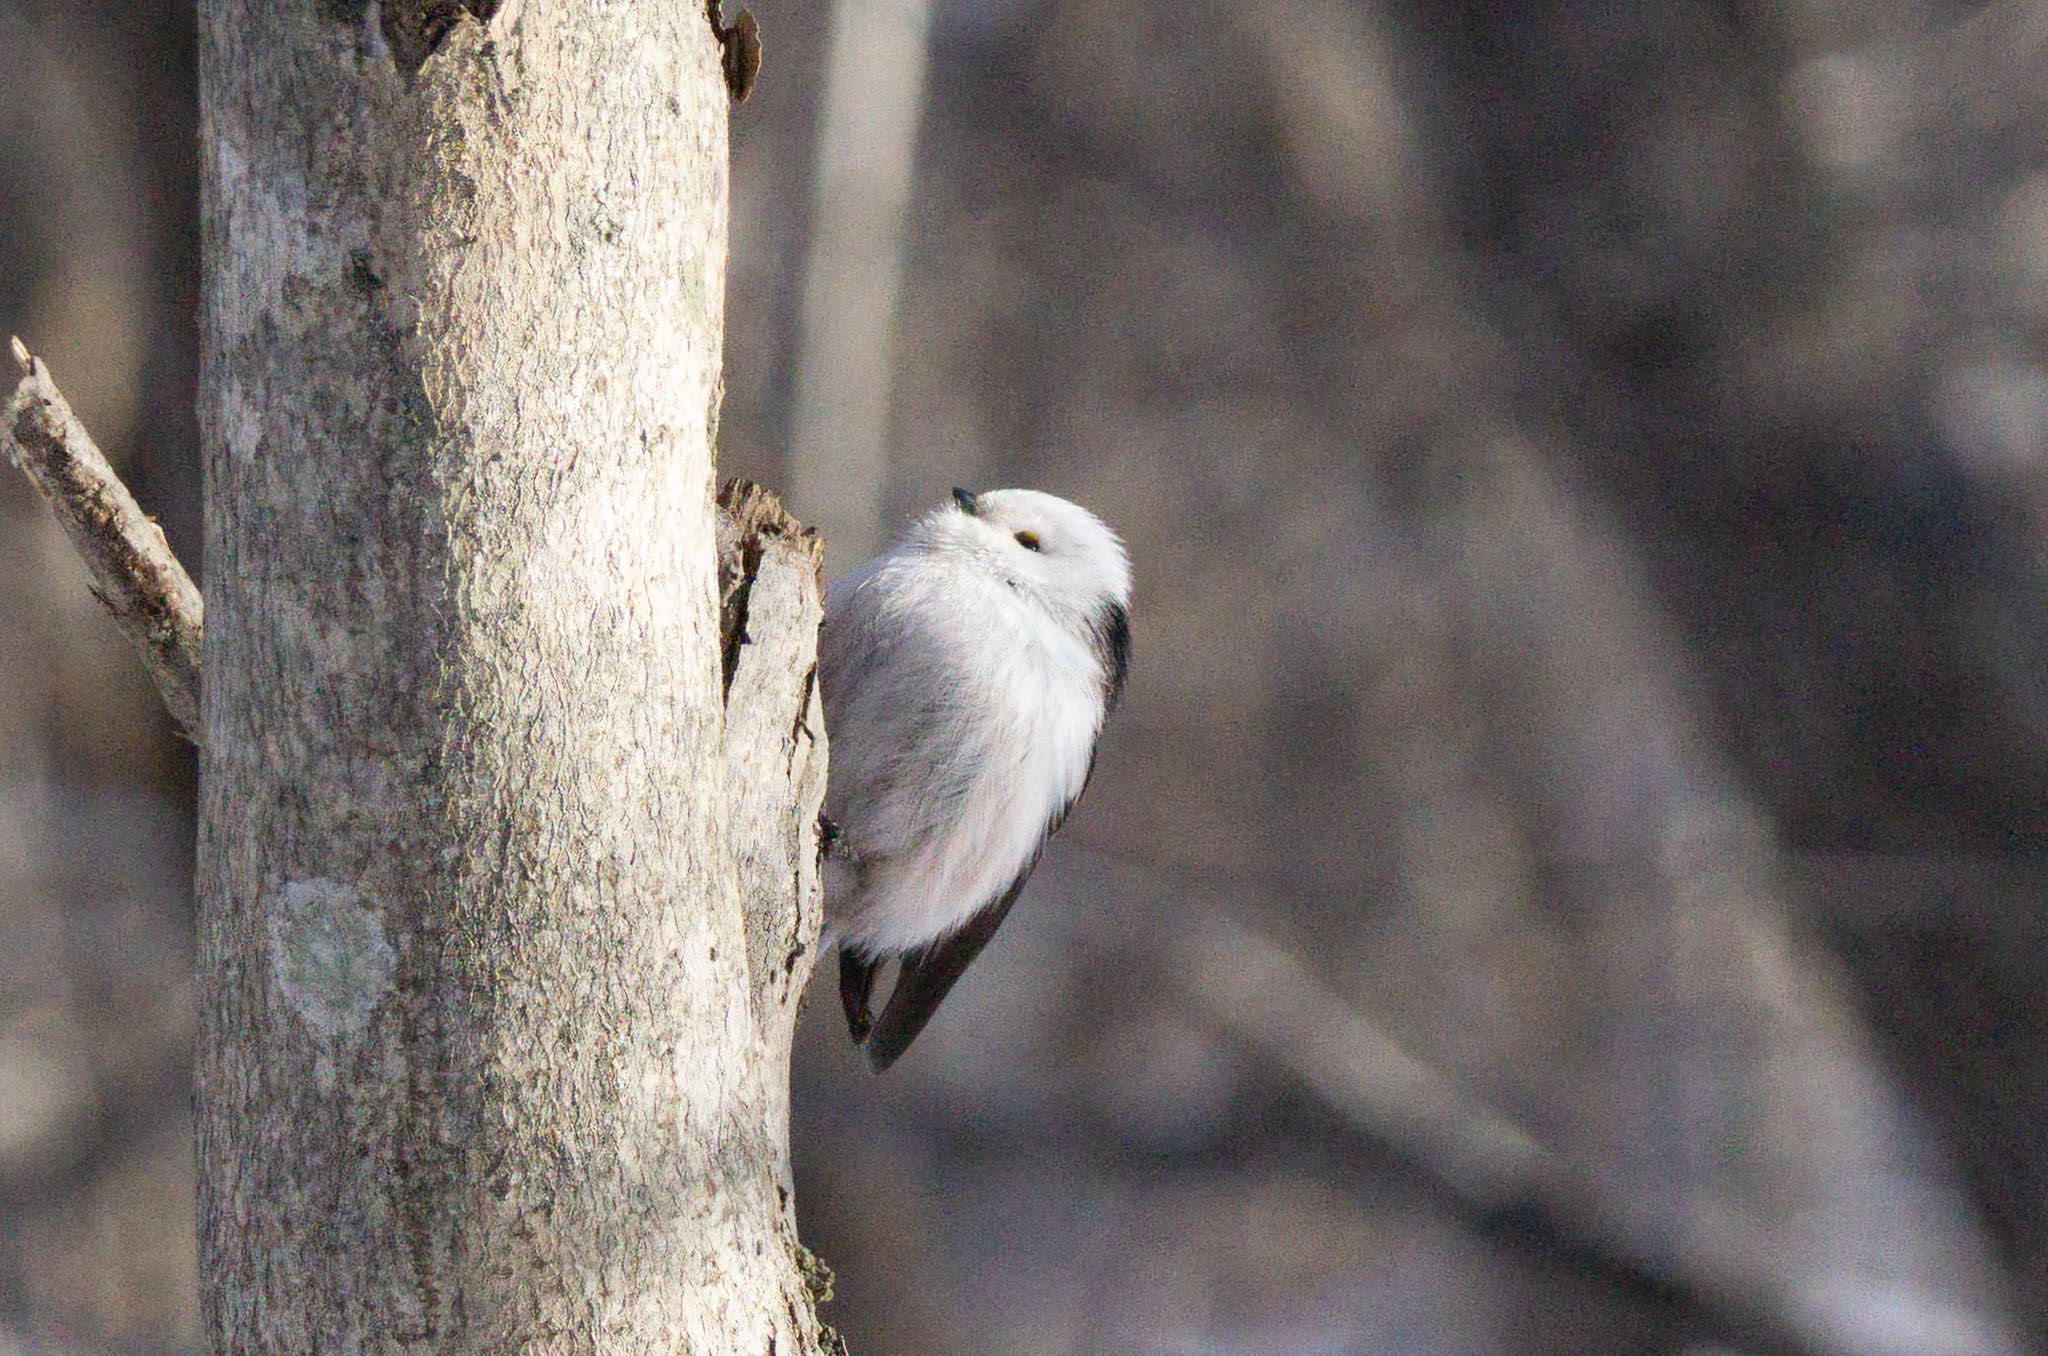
(968, 501)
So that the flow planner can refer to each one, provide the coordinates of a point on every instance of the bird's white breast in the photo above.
(961, 719)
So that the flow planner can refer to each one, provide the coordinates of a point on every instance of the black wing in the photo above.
(927, 976)
(1112, 637)
(856, 982)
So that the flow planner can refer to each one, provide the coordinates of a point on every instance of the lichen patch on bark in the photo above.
(329, 957)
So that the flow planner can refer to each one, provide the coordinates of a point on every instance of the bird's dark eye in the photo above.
(1028, 540)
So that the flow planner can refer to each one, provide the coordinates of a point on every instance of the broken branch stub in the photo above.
(152, 599)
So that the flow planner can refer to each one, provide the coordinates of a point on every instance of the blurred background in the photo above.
(1570, 874)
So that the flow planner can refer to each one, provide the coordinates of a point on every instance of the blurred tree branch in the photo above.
(152, 599)
(1490, 1170)
(1723, 1274)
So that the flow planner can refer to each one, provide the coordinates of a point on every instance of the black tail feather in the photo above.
(856, 984)
(927, 976)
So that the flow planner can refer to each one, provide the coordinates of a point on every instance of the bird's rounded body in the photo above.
(965, 677)
(955, 753)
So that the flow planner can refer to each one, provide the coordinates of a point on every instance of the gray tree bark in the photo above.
(506, 896)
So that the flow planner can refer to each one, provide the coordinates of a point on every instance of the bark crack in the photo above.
(415, 29)
(740, 50)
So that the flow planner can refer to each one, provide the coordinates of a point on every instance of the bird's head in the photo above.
(1055, 549)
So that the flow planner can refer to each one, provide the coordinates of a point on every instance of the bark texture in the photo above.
(771, 602)
(481, 1064)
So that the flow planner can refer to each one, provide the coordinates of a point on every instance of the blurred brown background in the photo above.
(1587, 469)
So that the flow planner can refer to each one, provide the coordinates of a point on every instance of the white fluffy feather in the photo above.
(965, 682)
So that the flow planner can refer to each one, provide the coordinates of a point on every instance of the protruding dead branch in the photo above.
(133, 571)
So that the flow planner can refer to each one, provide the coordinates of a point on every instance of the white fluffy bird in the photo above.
(966, 673)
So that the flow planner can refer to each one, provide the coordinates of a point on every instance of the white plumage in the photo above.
(966, 673)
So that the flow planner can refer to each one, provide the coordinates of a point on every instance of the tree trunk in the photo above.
(502, 919)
